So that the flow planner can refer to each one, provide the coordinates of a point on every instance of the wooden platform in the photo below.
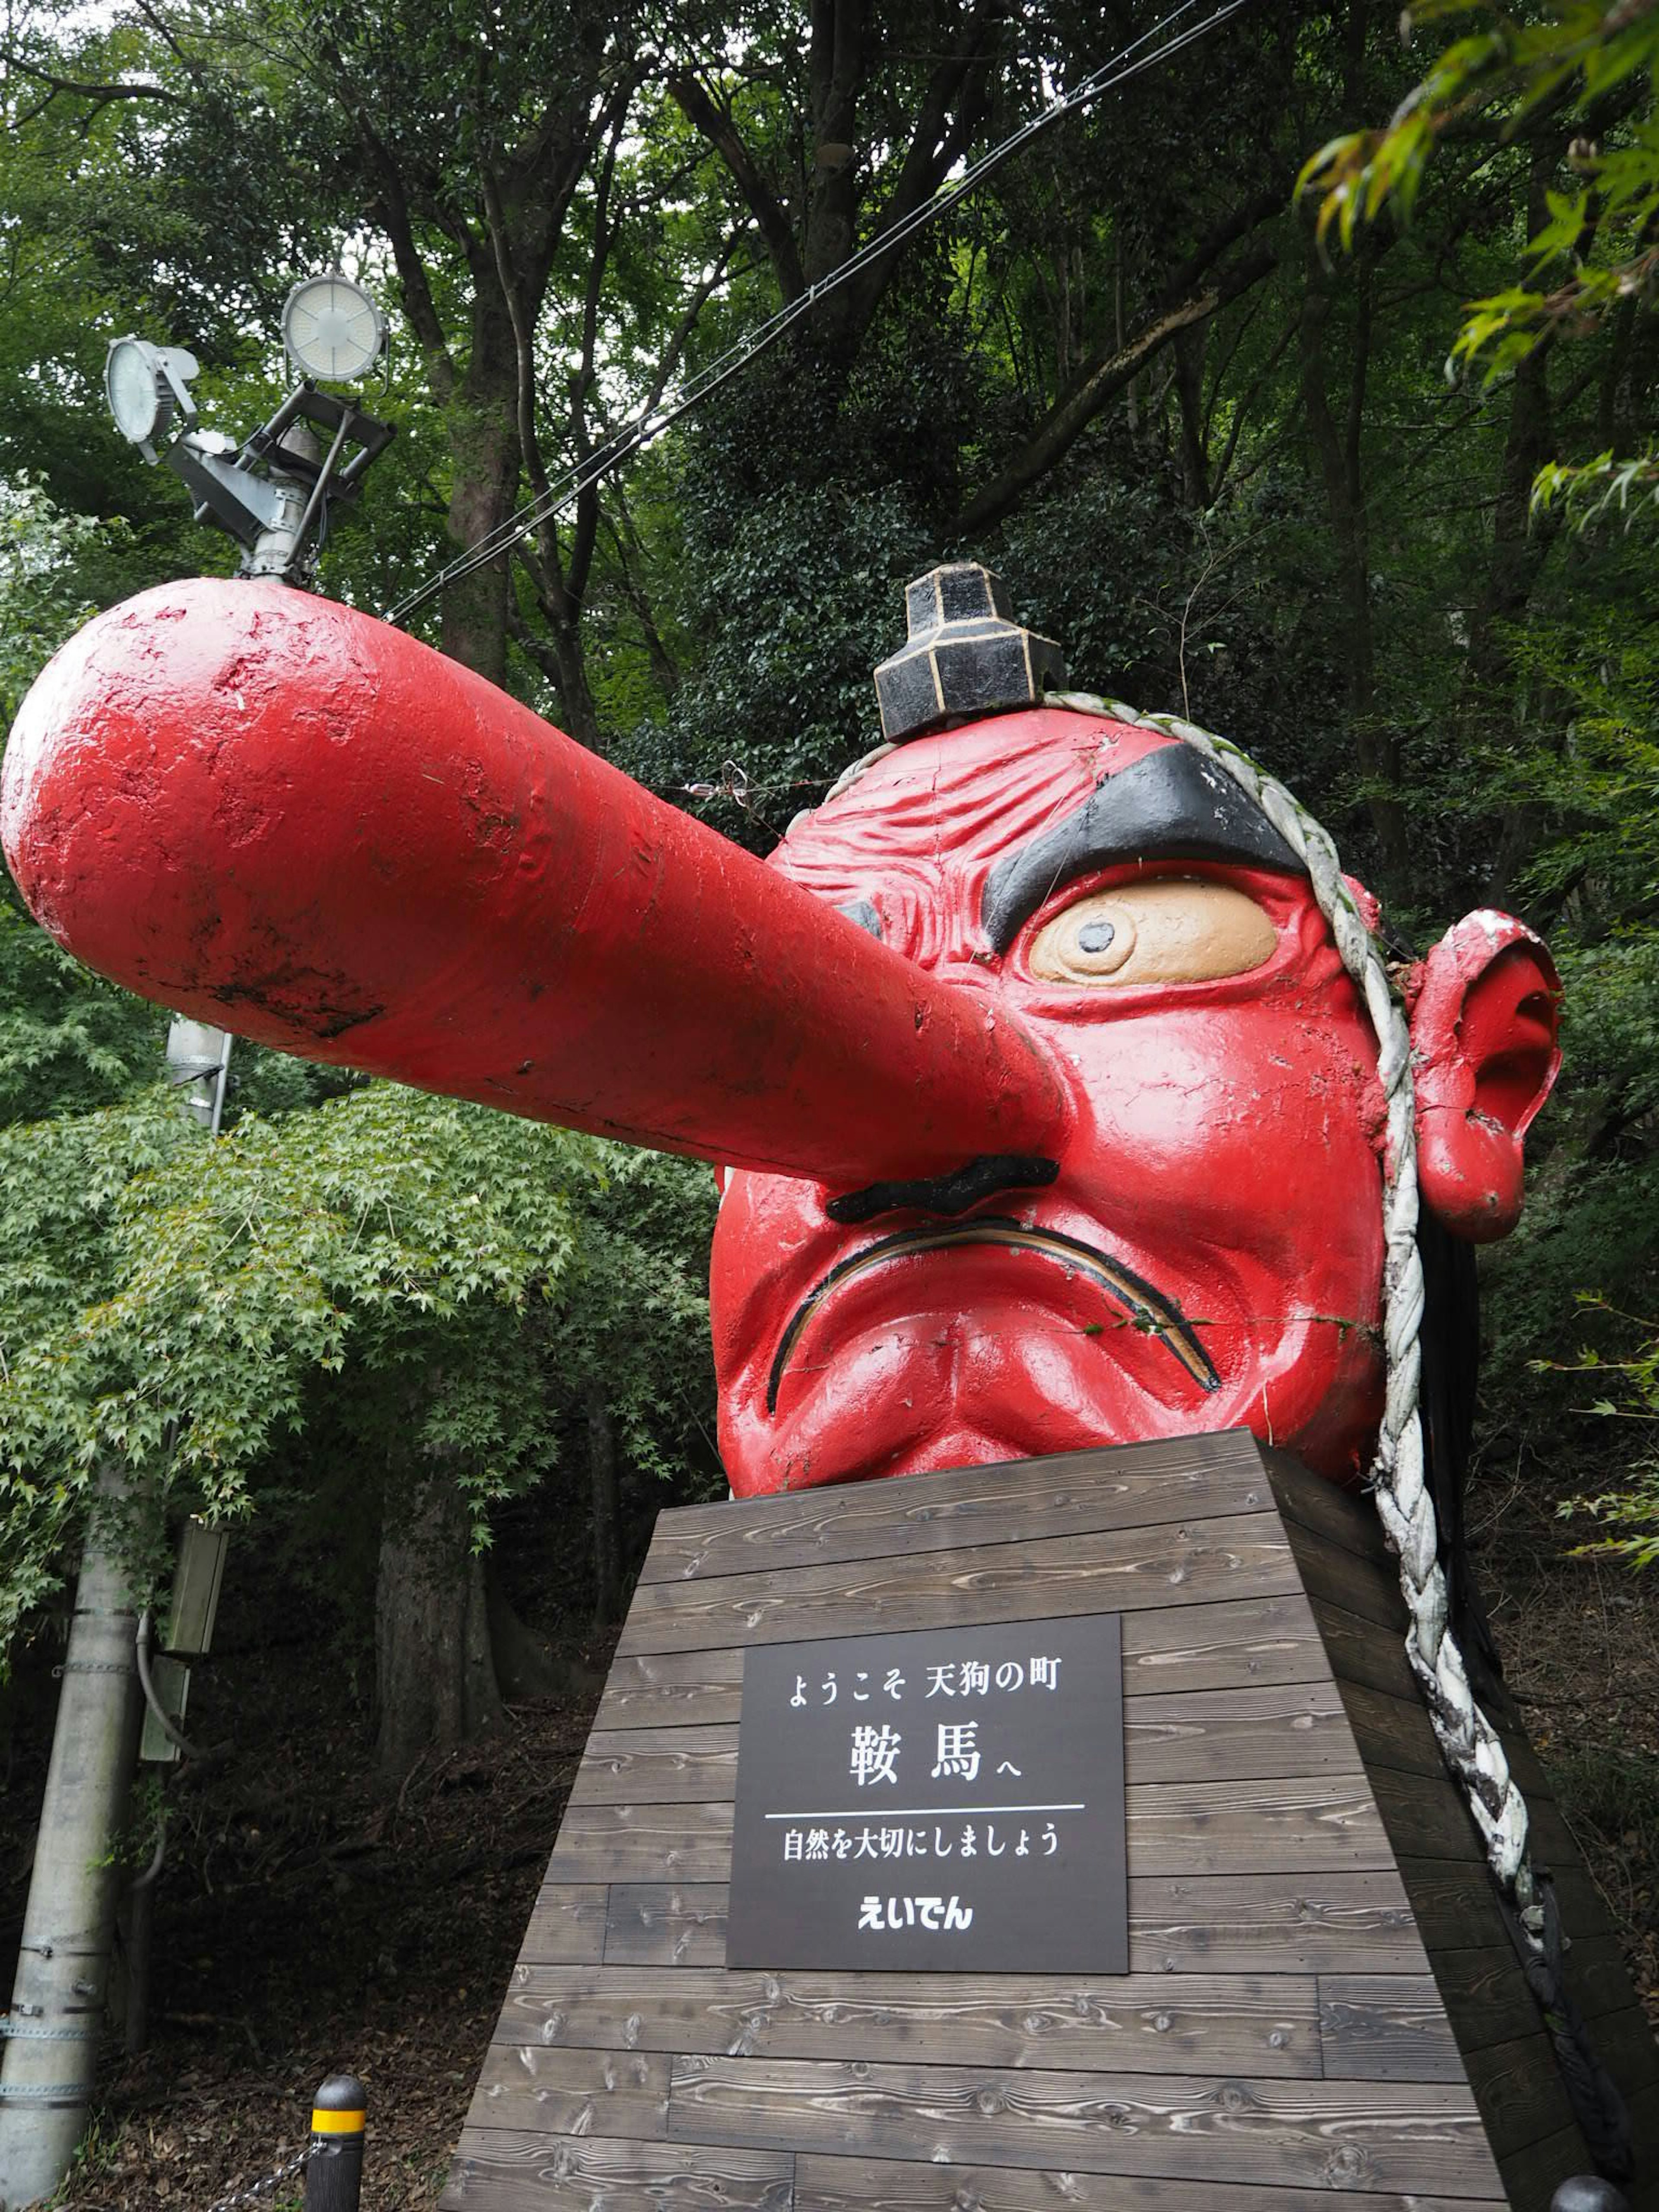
(1320, 2000)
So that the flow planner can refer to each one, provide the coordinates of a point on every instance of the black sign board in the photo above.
(947, 1800)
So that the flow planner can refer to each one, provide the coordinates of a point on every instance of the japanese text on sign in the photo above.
(934, 1799)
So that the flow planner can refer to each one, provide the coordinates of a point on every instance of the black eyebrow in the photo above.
(1172, 805)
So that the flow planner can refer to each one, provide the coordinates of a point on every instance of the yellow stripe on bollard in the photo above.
(337, 2123)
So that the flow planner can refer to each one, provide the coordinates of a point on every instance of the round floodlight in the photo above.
(145, 385)
(332, 328)
(139, 396)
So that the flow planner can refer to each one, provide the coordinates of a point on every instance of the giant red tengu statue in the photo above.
(1046, 1109)
(1062, 1089)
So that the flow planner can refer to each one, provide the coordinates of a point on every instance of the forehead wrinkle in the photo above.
(932, 808)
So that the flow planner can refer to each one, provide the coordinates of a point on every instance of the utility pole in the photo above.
(49, 2068)
(56, 2017)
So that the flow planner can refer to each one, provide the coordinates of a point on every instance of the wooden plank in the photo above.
(1259, 1731)
(566, 1925)
(865, 2185)
(1486, 1996)
(1425, 1813)
(1385, 2027)
(1396, 1731)
(1157, 2023)
(666, 1924)
(1584, 1909)
(1532, 2176)
(669, 1689)
(644, 1843)
(1323, 1824)
(1392, 1731)
(1553, 1843)
(1075, 1493)
(1454, 1904)
(1361, 1651)
(1339, 1578)
(1237, 1735)
(1262, 1924)
(1598, 1980)
(1216, 1647)
(1201, 1647)
(1296, 1923)
(571, 2093)
(1379, 2136)
(658, 1767)
(508, 2170)
(1344, 1517)
(1625, 2043)
(1527, 1768)
(1239, 1556)
(1519, 2089)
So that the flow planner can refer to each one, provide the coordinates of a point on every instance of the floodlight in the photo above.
(332, 328)
(144, 384)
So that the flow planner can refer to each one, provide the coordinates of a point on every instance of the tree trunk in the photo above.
(434, 1677)
(578, 716)
(1520, 547)
(607, 1515)
(484, 442)
(1337, 449)
(1188, 351)
(525, 1664)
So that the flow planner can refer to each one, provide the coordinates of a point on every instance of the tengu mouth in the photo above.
(1146, 1308)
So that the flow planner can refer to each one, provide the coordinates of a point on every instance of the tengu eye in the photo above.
(1171, 930)
(1087, 944)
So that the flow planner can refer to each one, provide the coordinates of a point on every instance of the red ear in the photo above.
(1484, 1018)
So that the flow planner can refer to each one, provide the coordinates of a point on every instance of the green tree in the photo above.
(174, 1307)
(1579, 83)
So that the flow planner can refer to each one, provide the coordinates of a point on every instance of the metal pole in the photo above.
(334, 2174)
(52, 2031)
(220, 1085)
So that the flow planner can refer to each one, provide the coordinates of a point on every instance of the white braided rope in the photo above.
(1468, 1739)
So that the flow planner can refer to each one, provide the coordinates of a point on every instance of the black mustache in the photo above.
(1147, 1307)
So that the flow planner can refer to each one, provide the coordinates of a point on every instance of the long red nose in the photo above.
(267, 811)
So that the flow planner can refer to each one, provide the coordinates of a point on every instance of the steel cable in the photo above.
(1128, 61)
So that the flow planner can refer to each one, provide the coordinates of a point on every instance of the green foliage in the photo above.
(55, 568)
(1633, 1507)
(167, 1303)
(799, 604)
(1598, 243)
(1592, 491)
(632, 1312)
(1614, 1793)
(68, 1040)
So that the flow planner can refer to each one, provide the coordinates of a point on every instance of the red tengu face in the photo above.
(1209, 1253)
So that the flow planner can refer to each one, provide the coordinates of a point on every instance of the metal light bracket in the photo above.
(197, 1581)
(272, 494)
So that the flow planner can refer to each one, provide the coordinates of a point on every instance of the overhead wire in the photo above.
(1140, 53)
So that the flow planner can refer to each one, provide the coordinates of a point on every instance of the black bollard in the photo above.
(335, 2173)
(1586, 2193)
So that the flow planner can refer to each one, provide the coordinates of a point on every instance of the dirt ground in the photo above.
(311, 1920)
